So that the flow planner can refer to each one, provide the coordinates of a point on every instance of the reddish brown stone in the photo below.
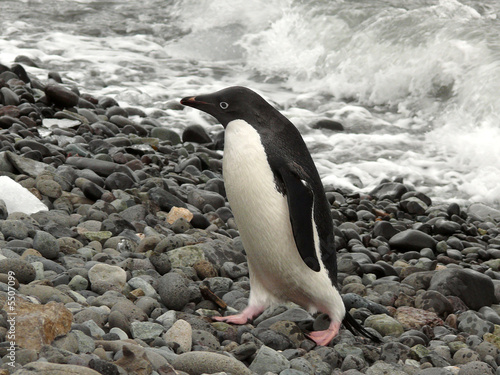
(38, 325)
(412, 318)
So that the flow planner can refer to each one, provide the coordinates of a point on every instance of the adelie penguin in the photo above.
(281, 210)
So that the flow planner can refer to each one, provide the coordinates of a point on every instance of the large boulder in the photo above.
(473, 288)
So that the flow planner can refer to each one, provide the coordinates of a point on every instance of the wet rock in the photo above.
(483, 212)
(61, 96)
(195, 133)
(389, 190)
(412, 240)
(328, 125)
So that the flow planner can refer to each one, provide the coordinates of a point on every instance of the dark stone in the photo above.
(195, 133)
(9, 97)
(353, 300)
(446, 227)
(173, 291)
(389, 190)
(412, 240)
(384, 229)
(101, 167)
(164, 199)
(61, 96)
(200, 198)
(103, 367)
(119, 180)
(328, 125)
(20, 72)
(90, 189)
(473, 288)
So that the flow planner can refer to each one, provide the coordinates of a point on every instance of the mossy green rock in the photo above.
(419, 351)
(185, 256)
(456, 346)
(98, 236)
(385, 325)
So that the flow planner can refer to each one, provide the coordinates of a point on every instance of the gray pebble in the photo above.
(146, 330)
(24, 272)
(268, 359)
(173, 291)
(476, 368)
(198, 363)
(46, 244)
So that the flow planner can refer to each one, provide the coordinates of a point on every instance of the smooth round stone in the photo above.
(104, 277)
(9, 97)
(385, 325)
(268, 359)
(46, 244)
(446, 227)
(200, 362)
(23, 271)
(14, 229)
(196, 134)
(181, 333)
(200, 198)
(61, 96)
(412, 240)
(166, 134)
(50, 188)
(78, 283)
(465, 355)
(204, 338)
(173, 291)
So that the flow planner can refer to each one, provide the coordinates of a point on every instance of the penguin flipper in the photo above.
(300, 200)
(352, 325)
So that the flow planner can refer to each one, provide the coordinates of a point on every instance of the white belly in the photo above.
(277, 272)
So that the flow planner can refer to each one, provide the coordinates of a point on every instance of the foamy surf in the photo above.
(415, 85)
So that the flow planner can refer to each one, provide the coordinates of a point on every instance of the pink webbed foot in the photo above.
(323, 338)
(247, 314)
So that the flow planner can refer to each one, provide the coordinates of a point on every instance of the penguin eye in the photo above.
(224, 105)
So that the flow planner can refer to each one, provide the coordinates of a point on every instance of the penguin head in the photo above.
(232, 103)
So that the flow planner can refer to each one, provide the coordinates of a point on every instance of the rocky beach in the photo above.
(117, 246)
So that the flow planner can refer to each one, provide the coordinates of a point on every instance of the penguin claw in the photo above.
(248, 313)
(235, 319)
(323, 338)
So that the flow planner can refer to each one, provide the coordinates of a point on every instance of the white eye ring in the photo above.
(224, 105)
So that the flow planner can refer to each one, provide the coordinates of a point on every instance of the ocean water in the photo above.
(415, 84)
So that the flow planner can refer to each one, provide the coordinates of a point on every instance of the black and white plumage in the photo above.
(280, 207)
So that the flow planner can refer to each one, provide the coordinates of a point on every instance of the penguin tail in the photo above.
(352, 325)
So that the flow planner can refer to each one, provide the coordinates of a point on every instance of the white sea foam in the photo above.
(414, 83)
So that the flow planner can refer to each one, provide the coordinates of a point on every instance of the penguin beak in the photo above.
(191, 101)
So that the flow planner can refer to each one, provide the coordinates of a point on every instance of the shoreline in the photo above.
(137, 228)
